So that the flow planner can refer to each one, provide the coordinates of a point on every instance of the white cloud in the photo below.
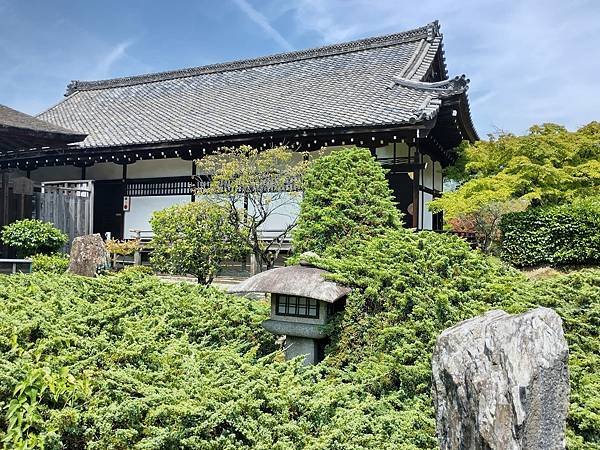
(104, 65)
(259, 19)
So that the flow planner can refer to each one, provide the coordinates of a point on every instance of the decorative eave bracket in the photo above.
(442, 89)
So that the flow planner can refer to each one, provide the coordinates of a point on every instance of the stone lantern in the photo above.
(302, 302)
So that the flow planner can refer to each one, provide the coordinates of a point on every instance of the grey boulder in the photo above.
(500, 381)
(88, 255)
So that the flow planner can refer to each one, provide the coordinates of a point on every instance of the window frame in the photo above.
(296, 306)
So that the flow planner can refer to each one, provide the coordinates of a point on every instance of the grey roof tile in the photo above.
(343, 85)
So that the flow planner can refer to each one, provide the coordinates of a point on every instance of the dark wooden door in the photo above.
(402, 188)
(108, 207)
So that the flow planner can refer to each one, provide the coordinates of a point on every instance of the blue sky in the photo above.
(529, 61)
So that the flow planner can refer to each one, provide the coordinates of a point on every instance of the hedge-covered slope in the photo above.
(557, 235)
(414, 285)
(576, 298)
(130, 362)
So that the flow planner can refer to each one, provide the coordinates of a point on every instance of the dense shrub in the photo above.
(154, 360)
(56, 263)
(557, 235)
(157, 365)
(194, 238)
(576, 298)
(345, 194)
(135, 269)
(411, 286)
(31, 236)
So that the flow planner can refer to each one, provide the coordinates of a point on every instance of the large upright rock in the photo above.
(88, 255)
(500, 381)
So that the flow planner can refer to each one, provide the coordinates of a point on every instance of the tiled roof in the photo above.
(355, 84)
(11, 118)
(19, 131)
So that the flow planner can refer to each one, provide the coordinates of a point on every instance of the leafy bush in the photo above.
(557, 235)
(161, 365)
(116, 247)
(576, 298)
(411, 286)
(345, 194)
(194, 238)
(57, 263)
(549, 165)
(137, 270)
(153, 361)
(32, 236)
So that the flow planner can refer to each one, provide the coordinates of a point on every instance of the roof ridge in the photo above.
(428, 32)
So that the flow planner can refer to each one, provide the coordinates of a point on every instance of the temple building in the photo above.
(141, 134)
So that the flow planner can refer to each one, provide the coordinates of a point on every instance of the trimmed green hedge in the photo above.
(557, 235)
(56, 263)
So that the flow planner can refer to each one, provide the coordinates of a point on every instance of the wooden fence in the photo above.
(68, 205)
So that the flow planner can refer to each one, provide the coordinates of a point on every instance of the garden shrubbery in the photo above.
(158, 365)
(346, 194)
(127, 361)
(555, 235)
(32, 236)
(56, 263)
(194, 238)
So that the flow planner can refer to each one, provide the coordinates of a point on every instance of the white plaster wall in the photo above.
(151, 168)
(426, 222)
(388, 150)
(285, 210)
(56, 173)
(104, 171)
(141, 209)
(438, 181)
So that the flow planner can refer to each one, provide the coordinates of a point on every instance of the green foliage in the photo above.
(194, 238)
(124, 248)
(576, 298)
(255, 186)
(346, 194)
(163, 365)
(549, 165)
(556, 235)
(32, 236)
(411, 286)
(56, 263)
(137, 270)
(125, 360)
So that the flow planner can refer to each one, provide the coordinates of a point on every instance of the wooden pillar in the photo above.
(4, 198)
(124, 190)
(194, 168)
(83, 172)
